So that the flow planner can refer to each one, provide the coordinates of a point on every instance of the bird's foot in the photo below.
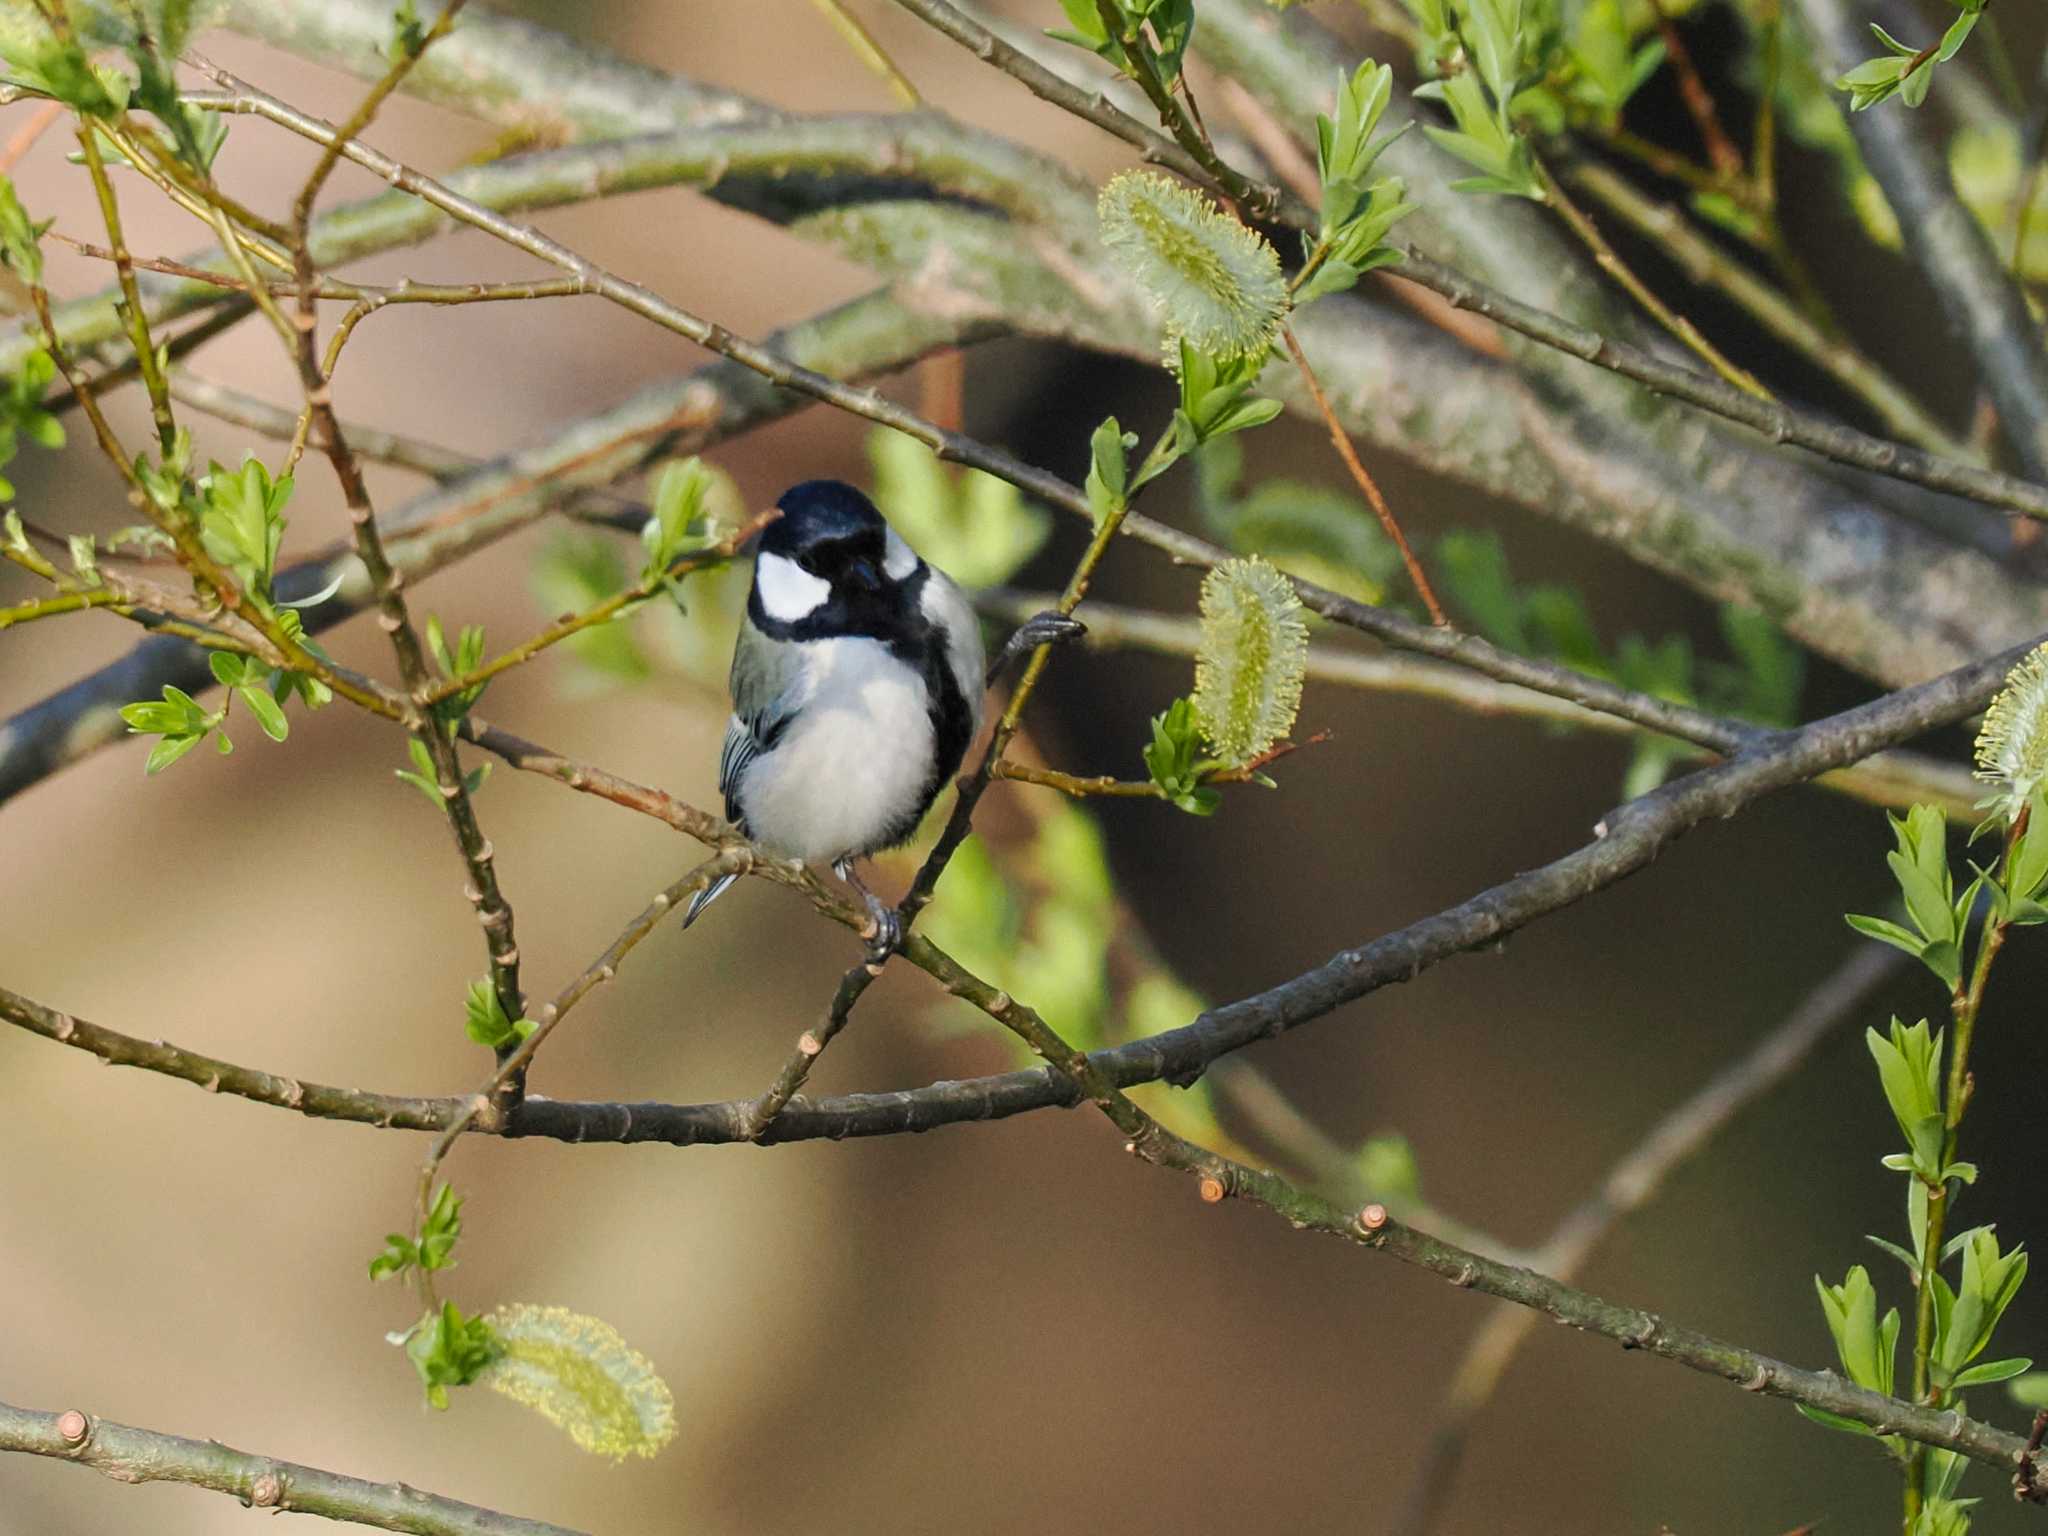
(884, 930)
(1048, 628)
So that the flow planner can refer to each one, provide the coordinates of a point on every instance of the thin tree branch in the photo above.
(1627, 840)
(1893, 779)
(130, 1455)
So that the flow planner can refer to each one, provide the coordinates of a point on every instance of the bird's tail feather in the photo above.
(705, 897)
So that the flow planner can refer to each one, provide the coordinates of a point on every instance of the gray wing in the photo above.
(766, 685)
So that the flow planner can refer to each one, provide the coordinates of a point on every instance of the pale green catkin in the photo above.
(2012, 746)
(580, 1375)
(1249, 668)
(1218, 284)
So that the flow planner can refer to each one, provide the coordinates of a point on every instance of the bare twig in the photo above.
(1699, 101)
(131, 1455)
(1364, 481)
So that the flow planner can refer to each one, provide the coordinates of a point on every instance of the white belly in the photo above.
(852, 766)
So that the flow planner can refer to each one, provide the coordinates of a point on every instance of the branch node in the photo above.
(267, 1492)
(1373, 1217)
(73, 1428)
(1760, 1382)
(1211, 1189)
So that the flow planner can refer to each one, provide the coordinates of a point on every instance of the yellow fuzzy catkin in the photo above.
(1218, 284)
(1254, 652)
(2012, 746)
(580, 1375)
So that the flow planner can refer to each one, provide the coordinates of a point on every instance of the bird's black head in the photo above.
(831, 565)
(831, 531)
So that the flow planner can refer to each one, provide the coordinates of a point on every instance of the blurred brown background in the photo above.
(1001, 1328)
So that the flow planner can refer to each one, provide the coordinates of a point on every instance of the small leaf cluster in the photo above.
(678, 520)
(45, 61)
(1937, 926)
(485, 1020)
(1500, 53)
(1610, 63)
(242, 522)
(1909, 1069)
(1904, 71)
(1176, 763)
(433, 1250)
(1358, 210)
(450, 1350)
(1144, 39)
(240, 515)
(1216, 402)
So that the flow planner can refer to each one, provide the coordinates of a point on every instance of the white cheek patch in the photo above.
(901, 560)
(789, 592)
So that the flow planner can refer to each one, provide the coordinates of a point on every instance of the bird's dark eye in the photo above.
(810, 564)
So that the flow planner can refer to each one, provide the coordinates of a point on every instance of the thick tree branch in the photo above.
(130, 1455)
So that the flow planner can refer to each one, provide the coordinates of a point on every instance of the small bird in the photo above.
(857, 684)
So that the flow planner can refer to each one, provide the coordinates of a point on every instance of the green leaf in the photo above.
(1108, 474)
(399, 1255)
(485, 1020)
(1865, 1348)
(440, 1230)
(269, 716)
(1990, 1371)
(423, 775)
(581, 1376)
(1834, 1420)
(1909, 1069)
(169, 750)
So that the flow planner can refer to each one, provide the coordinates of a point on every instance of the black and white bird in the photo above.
(857, 684)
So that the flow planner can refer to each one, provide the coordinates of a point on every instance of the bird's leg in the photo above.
(884, 932)
(1047, 628)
